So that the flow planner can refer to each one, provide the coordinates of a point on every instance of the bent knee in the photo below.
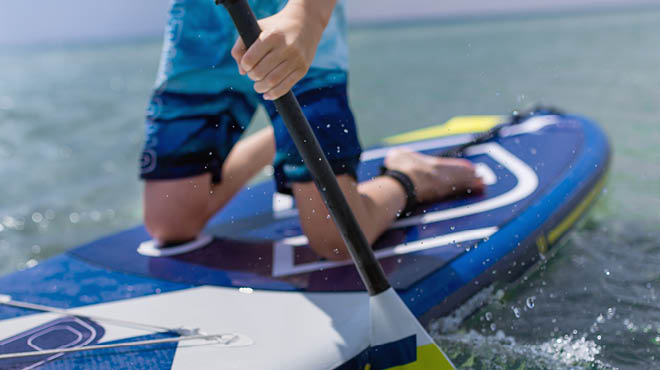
(330, 247)
(171, 229)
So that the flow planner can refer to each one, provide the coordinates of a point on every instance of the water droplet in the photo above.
(530, 302)
(37, 217)
(31, 263)
(611, 312)
(345, 131)
(74, 217)
(246, 290)
(452, 228)
(516, 311)
(607, 272)
(489, 316)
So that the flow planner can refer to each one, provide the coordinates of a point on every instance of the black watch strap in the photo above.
(408, 186)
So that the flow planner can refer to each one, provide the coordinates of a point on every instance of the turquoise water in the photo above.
(70, 135)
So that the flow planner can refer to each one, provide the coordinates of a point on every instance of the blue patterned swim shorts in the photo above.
(201, 105)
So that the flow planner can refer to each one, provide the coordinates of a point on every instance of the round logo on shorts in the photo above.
(148, 161)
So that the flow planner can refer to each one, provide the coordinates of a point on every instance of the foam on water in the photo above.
(472, 350)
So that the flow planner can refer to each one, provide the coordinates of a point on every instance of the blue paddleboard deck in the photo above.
(541, 176)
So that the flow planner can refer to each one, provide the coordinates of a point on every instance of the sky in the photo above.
(24, 22)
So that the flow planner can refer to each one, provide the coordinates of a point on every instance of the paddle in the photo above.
(396, 321)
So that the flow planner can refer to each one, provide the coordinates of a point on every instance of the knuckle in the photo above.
(276, 93)
(256, 74)
(272, 37)
(247, 61)
(272, 78)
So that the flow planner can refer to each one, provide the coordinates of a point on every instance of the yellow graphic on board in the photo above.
(456, 125)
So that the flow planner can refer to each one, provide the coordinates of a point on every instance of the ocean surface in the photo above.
(71, 131)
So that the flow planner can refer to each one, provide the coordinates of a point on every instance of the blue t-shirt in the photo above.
(199, 36)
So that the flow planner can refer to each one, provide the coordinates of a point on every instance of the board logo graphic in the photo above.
(62, 333)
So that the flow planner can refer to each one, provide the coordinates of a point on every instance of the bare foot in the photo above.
(435, 177)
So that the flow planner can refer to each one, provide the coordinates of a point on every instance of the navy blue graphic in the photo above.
(384, 356)
(147, 357)
(66, 332)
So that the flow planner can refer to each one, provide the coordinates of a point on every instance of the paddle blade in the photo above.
(398, 340)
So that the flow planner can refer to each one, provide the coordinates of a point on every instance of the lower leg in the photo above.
(376, 203)
(177, 210)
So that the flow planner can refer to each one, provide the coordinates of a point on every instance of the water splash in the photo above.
(472, 350)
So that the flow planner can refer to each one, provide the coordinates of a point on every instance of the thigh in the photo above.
(332, 121)
(195, 137)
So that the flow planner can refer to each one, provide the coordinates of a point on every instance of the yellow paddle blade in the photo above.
(398, 340)
(455, 125)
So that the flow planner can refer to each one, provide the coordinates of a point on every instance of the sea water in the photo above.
(71, 132)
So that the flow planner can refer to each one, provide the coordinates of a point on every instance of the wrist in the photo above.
(315, 13)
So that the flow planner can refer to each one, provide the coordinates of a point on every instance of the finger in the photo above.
(237, 52)
(255, 53)
(273, 78)
(268, 64)
(284, 86)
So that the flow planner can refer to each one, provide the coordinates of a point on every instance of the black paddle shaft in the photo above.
(288, 107)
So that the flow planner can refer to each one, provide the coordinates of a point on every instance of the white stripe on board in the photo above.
(283, 250)
(418, 146)
(532, 124)
(486, 173)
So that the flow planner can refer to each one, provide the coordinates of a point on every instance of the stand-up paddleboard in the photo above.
(251, 294)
